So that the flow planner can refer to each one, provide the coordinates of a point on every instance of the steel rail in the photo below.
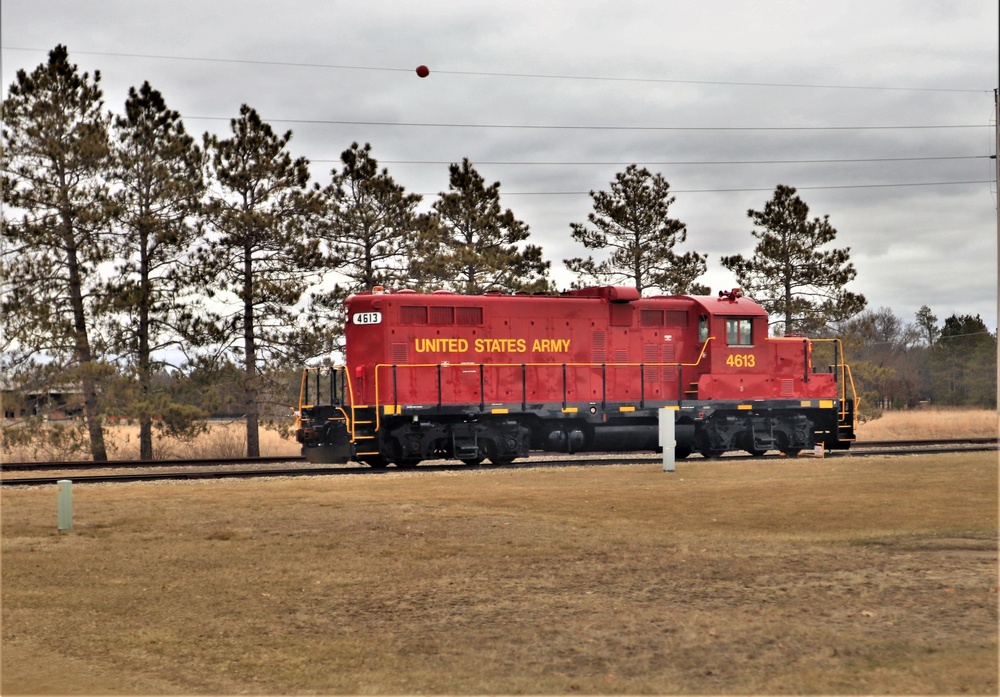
(288, 459)
(926, 447)
(166, 476)
(124, 464)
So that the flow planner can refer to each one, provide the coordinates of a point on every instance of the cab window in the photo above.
(738, 332)
(703, 328)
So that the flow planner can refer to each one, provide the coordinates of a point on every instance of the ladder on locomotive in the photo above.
(362, 429)
(848, 395)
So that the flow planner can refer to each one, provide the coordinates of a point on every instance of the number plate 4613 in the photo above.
(740, 360)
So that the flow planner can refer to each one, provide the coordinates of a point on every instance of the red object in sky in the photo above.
(423, 71)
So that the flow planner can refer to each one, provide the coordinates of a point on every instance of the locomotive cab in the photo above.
(738, 351)
(761, 392)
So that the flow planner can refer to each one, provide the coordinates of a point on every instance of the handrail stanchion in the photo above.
(604, 385)
(524, 387)
(482, 388)
(642, 385)
(565, 394)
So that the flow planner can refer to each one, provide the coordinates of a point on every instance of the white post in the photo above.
(667, 438)
(65, 504)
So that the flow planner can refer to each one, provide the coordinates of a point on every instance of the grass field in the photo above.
(834, 576)
(931, 423)
(223, 439)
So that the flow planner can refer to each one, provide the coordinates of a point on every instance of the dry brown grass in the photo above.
(223, 439)
(846, 576)
(929, 424)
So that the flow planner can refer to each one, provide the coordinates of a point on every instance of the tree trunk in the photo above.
(788, 302)
(81, 345)
(250, 359)
(145, 364)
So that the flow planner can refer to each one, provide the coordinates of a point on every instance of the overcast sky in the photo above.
(880, 112)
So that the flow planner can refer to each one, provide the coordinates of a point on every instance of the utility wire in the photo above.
(556, 127)
(334, 66)
(751, 190)
(679, 162)
(601, 128)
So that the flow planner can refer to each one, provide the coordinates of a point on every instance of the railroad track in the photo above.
(246, 468)
(126, 464)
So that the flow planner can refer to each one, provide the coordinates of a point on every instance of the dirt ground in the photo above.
(807, 576)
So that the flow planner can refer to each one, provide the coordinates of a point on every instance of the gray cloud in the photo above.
(770, 64)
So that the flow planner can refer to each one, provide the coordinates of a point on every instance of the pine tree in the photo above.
(371, 225)
(964, 361)
(788, 274)
(927, 323)
(632, 221)
(55, 190)
(474, 246)
(258, 259)
(159, 171)
(370, 229)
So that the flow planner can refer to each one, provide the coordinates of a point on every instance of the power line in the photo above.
(749, 190)
(679, 162)
(597, 127)
(543, 76)
(557, 127)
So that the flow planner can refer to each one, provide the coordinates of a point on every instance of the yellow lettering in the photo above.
(500, 345)
(484, 345)
(550, 345)
(441, 345)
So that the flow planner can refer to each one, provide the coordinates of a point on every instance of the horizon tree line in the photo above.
(124, 238)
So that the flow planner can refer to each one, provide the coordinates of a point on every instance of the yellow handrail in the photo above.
(349, 420)
(845, 378)
(854, 393)
(379, 366)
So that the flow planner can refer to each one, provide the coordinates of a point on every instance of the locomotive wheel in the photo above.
(492, 453)
(704, 446)
(746, 441)
(784, 448)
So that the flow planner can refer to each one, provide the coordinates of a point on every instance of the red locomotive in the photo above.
(492, 377)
